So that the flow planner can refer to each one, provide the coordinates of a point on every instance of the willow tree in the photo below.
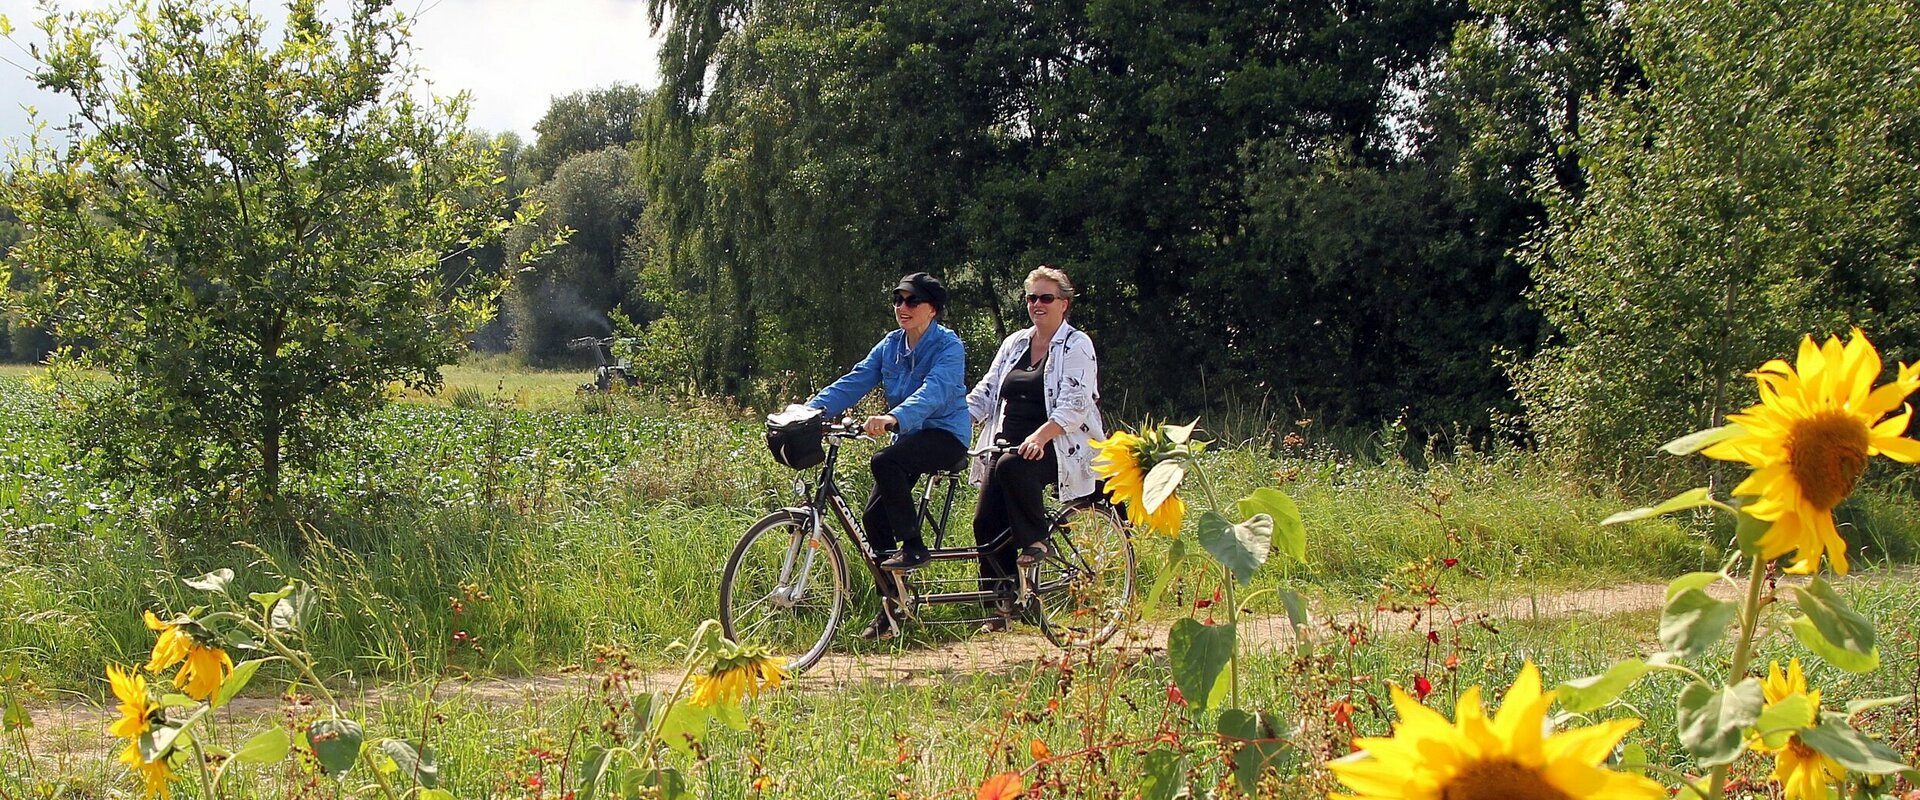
(253, 236)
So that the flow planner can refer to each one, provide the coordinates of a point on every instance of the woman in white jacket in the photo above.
(1040, 393)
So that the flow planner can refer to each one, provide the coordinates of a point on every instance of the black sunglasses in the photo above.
(1047, 298)
(907, 300)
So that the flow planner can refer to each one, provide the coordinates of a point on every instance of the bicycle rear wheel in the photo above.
(785, 588)
(1086, 583)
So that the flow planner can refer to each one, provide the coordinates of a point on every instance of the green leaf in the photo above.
(417, 764)
(1261, 748)
(1693, 622)
(1166, 776)
(1809, 636)
(1301, 620)
(1161, 483)
(1691, 580)
(684, 725)
(156, 743)
(267, 599)
(1713, 722)
(1179, 434)
(592, 771)
(1857, 707)
(1780, 720)
(1837, 622)
(290, 613)
(1240, 548)
(1840, 742)
(14, 717)
(1199, 654)
(730, 715)
(336, 743)
(1633, 757)
(1289, 532)
(671, 785)
(440, 794)
(1582, 695)
(1700, 440)
(265, 747)
(242, 674)
(1691, 498)
(215, 581)
(1176, 553)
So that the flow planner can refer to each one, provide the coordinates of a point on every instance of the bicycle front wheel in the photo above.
(785, 588)
(1086, 582)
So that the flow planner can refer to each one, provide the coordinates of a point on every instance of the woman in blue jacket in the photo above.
(921, 371)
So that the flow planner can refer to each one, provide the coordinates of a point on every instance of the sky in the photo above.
(512, 56)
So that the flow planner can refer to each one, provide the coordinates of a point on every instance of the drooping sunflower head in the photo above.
(154, 775)
(1507, 757)
(136, 706)
(1809, 438)
(1124, 460)
(204, 664)
(746, 671)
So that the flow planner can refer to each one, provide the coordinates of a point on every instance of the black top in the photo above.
(1025, 395)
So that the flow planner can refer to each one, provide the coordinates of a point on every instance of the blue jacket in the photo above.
(925, 386)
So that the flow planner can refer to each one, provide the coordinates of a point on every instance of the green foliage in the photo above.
(567, 292)
(585, 122)
(252, 236)
(1753, 186)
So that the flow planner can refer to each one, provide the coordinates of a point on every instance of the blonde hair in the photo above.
(1044, 272)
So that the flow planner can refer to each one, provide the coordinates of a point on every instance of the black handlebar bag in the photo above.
(796, 435)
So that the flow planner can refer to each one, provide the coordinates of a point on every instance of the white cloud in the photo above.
(511, 56)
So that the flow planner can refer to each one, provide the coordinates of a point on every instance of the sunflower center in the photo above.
(1500, 779)
(1826, 454)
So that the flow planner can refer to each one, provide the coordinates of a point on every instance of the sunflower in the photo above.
(1510, 757)
(1124, 461)
(747, 672)
(136, 707)
(1803, 772)
(203, 667)
(1809, 439)
(154, 775)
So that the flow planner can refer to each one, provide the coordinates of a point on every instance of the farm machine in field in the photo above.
(613, 372)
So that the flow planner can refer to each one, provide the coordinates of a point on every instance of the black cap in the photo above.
(925, 287)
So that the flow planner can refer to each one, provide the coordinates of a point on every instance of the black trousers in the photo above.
(890, 518)
(1013, 503)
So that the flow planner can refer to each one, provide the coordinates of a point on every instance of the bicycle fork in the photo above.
(800, 553)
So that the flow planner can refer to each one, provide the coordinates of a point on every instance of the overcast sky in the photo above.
(513, 56)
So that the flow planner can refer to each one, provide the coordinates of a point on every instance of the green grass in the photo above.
(564, 523)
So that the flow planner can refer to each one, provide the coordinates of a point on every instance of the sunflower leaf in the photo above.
(1713, 722)
(1162, 481)
(1179, 434)
(1856, 707)
(1176, 554)
(1289, 532)
(1838, 623)
(14, 717)
(1691, 580)
(1808, 633)
(1691, 498)
(684, 725)
(1240, 548)
(290, 612)
(1700, 440)
(592, 769)
(265, 747)
(237, 680)
(1747, 528)
(336, 744)
(1301, 619)
(1582, 695)
(1261, 748)
(1693, 622)
(1782, 719)
(1199, 654)
(1840, 742)
(1166, 776)
(215, 581)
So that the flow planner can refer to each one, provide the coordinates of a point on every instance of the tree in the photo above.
(570, 289)
(250, 235)
(585, 122)
(1759, 185)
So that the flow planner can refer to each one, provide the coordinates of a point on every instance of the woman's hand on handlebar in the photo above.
(877, 425)
(1034, 448)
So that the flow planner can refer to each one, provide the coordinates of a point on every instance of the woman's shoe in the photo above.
(881, 628)
(1032, 554)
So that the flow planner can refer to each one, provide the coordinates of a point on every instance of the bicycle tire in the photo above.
(751, 610)
(1086, 583)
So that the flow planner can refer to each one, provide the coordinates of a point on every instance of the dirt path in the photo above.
(77, 727)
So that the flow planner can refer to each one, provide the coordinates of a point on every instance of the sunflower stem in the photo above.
(200, 758)
(1742, 653)
(1233, 605)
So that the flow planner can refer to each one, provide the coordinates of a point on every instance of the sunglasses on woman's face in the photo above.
(907, 300)
(1043, 299)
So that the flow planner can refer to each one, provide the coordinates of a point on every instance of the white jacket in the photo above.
(1072, 383)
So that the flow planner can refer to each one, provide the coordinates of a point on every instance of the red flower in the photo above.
(1433, 637)
(1175, 697)
(1422, 687)
(1450, 561)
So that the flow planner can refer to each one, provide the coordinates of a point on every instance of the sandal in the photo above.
(1032, 554)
